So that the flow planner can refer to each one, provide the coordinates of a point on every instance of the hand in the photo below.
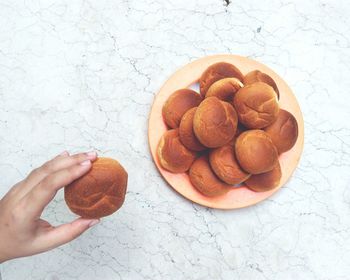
(22, 232)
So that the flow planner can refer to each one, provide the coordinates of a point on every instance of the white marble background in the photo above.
(79, 75)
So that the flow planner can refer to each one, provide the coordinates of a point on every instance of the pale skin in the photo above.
(22, 231)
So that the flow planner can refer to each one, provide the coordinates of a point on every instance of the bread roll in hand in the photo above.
(100, 192)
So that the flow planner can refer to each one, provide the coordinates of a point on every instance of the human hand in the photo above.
(22, 232)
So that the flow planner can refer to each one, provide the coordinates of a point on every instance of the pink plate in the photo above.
(189, 75)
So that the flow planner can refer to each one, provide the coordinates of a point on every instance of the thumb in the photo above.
(65, 233)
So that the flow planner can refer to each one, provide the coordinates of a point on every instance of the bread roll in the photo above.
(172, 154)
(255, 152)
(224, 89)
(217, 72)
(256, 105)
(100, 192)
(225, 165)
(258, 76)
(215, 122)
(186, 132)
(178, 104)
(284, 131)
(204, 180)
(265, 181)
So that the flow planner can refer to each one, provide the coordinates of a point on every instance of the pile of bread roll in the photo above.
(231, 133)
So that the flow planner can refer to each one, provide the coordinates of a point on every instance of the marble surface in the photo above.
(78, 75)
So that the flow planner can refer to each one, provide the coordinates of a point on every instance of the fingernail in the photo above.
(85, 162)
(93, 222)
(65, 153)
(91, 154)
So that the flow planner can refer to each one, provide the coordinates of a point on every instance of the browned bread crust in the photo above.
(100, 192)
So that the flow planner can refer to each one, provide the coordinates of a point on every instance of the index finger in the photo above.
(62, 161)
(36, 199)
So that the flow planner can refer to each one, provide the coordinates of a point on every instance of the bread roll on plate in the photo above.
(283, 131)
(172, 154)
(224, 89)
(225, 165)
(215, 122)
(258, 76)
(255, 151)
(178, 104)
(256, 105)
(215, 72)
(265, 181)
(186, 132)
(204, 180)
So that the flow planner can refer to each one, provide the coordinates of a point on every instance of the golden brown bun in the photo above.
(284, 131)
(204, 180)
(255, 152)
(100, 192)
(256, 105)
(224, 163)
(172, 154)
(265, 181)
(217, 72)
(178, 104)
(258, 76)
(186, 133)
(224, 89)
(215, 122)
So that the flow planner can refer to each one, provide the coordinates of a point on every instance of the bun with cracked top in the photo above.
(217, 72)
(215, 122)
(256, 105)
(100, 192)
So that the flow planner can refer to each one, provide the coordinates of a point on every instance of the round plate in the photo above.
(188, 75)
